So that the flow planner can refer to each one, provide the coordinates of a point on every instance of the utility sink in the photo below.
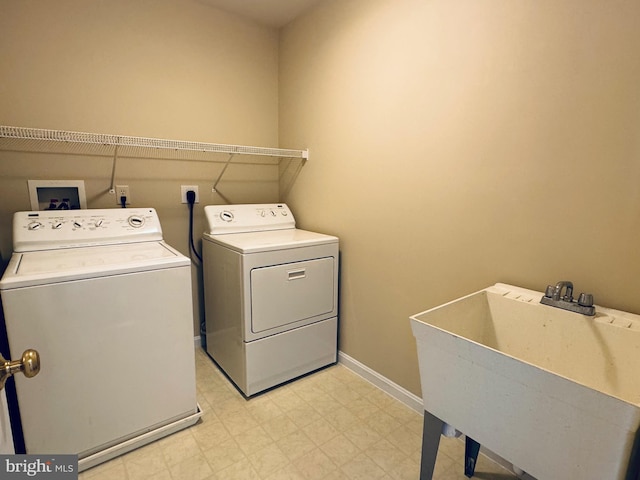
(554, 392)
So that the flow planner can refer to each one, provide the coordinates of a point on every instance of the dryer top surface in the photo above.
(248, 218)
(254, 242)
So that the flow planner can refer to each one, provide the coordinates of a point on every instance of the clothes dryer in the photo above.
(271, 295)
(108, 305)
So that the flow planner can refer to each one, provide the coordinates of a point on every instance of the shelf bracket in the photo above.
(112, 188)
(286, 188)
(224, 169)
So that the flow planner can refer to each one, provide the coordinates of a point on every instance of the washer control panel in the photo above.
(42, 230)
(248, 218)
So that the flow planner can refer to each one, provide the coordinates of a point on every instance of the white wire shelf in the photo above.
(37, 140)
(25, 138)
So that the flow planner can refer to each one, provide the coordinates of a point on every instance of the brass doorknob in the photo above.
(29, 365)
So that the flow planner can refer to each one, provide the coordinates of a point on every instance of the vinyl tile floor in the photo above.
(329, 425)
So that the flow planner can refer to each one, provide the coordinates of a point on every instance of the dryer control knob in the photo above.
(35, 226)
(226, 216)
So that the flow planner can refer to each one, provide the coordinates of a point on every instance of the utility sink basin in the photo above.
(554, 392)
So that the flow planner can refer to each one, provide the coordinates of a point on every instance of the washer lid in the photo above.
(53, 266)
(253, 242)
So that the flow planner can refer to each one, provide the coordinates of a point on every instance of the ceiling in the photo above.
(273, 13)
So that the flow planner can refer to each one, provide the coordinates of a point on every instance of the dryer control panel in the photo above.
(43, 230)
(248, 218)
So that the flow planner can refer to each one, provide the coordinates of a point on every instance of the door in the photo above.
(6, 434)
(292, 292)
(29, 364)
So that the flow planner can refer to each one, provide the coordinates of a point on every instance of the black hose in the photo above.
(191, 199)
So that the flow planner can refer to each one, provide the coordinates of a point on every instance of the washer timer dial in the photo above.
(136, 221)
(35, 225)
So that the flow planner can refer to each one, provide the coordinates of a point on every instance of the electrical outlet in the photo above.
(185, 188)
(123, 191)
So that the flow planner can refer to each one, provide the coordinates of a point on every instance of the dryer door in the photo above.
(292, 292)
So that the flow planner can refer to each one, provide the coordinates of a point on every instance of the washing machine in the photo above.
(108, 305)
(271, 295)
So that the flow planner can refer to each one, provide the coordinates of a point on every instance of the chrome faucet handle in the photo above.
(585, 300)
(549, 291)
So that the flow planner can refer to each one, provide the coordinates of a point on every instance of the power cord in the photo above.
(123, 201)
(191, 199)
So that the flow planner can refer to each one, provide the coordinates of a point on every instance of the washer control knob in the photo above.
(77, 224)
(56, 225)
(273, 214)
(226, 216)
(136, 221)
(35, 226)
(99, 223)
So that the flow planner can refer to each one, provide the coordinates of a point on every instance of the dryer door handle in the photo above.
(297, 274)
(29, 364)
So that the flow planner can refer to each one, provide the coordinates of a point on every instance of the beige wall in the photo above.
(162, 68)
(456, 144)
(453, 144)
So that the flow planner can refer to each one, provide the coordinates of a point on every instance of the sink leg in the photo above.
(431, 430)
(471, 450)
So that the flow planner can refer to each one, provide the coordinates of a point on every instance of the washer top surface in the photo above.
(52, 266)
(63, 245)
(254, 242)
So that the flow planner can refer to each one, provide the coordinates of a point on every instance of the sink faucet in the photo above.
(554, 298)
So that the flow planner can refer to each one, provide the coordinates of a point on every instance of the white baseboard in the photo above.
(393, 389)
